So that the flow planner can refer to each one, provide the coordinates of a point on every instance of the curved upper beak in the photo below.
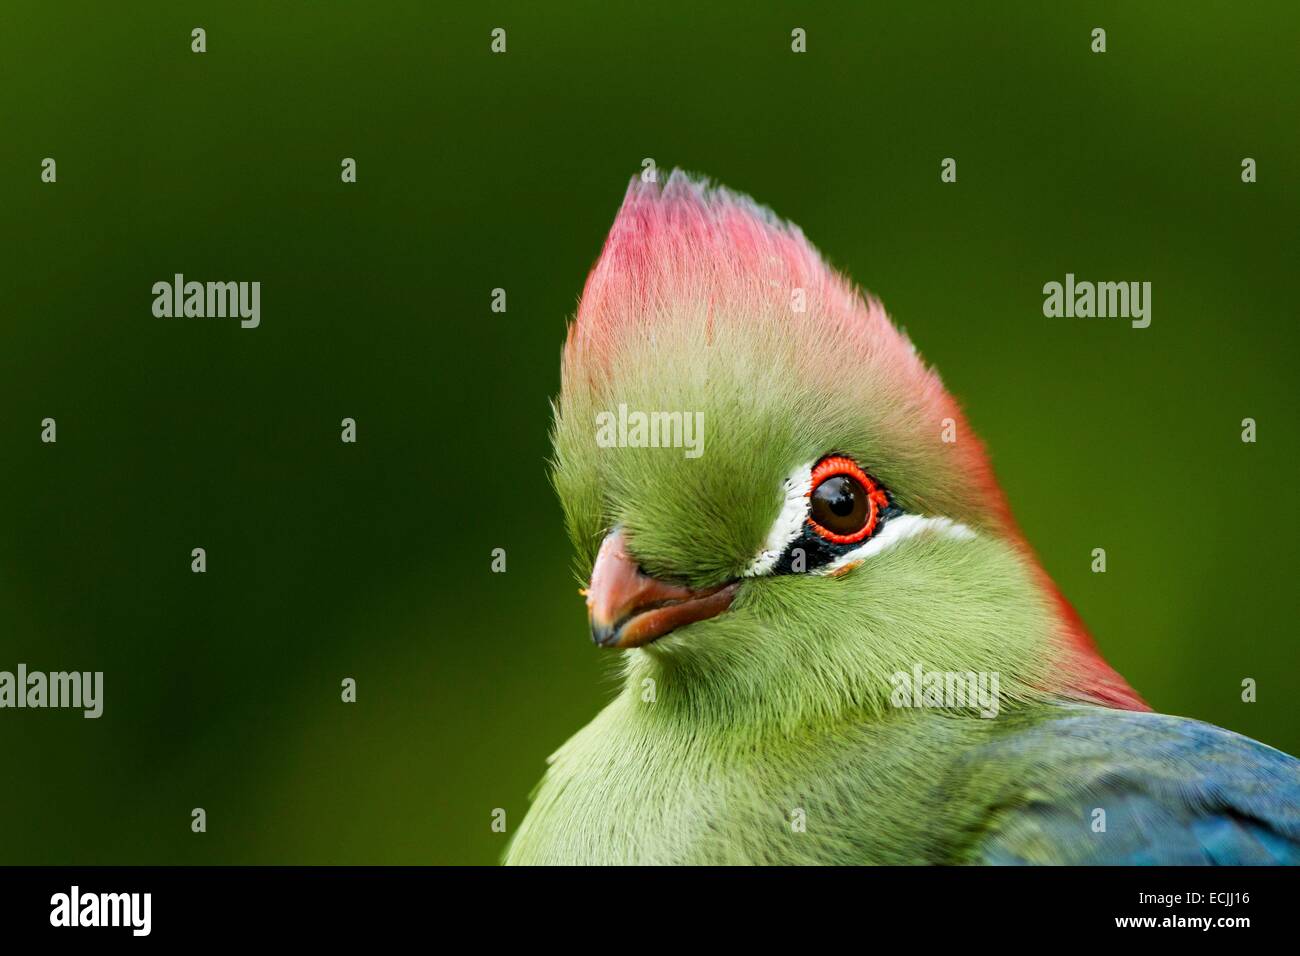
(628, 608)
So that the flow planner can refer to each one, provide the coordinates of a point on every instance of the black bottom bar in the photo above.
(333, 904)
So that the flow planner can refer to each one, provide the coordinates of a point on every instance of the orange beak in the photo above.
(628, 608)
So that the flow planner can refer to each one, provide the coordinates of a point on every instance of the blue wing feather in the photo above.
(1174, 791)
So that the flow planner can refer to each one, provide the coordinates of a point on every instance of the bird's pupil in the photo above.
(841, 497)
(840, 505)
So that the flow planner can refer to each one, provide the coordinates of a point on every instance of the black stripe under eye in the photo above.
(817, 551)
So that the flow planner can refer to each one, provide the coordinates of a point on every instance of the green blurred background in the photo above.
(475, 171)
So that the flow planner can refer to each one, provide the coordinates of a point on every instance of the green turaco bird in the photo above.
(837, 647)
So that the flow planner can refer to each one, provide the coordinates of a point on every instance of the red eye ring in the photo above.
(877, 500)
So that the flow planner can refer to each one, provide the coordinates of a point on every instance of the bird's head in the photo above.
(776, 504)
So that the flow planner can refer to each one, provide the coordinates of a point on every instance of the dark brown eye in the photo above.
(845, 504)
(840, 505)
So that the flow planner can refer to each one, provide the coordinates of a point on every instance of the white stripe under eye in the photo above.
(898, 529)
(788, 524)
